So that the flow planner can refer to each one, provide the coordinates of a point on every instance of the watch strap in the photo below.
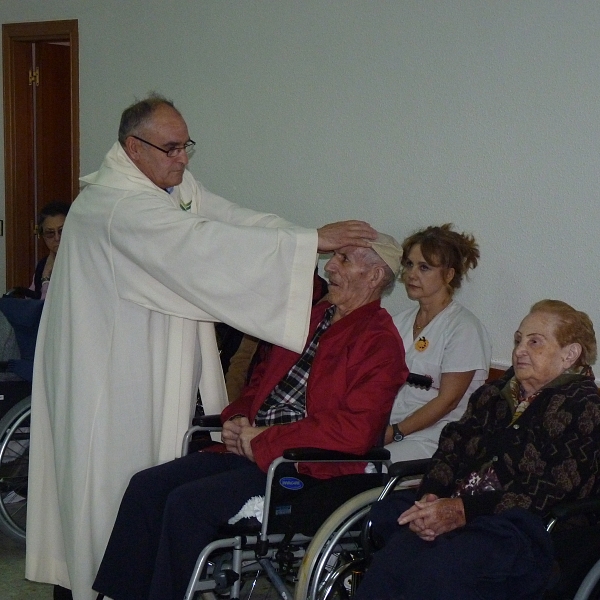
(398, 435)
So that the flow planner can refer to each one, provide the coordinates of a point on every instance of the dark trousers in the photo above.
(501, 557)
(168, 514)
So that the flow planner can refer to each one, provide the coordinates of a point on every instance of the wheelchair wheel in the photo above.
(590, 586)
(334, 558)
(14, 467)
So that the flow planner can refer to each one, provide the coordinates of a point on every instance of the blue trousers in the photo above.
(168, 514)
(499, 557)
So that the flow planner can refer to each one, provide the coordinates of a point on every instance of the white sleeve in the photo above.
(216, 208)
(467, 346)
(257, 279)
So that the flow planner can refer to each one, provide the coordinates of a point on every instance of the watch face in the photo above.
(398, 435)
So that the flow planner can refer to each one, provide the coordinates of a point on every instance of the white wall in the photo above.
(404, 113)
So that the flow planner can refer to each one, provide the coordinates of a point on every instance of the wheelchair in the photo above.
(300, 533)
(326, 569)
(329, 562)
(15, 409)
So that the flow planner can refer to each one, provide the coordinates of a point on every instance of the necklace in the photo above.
(417, 328)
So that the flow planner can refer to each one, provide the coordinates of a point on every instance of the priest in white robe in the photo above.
(148, 260)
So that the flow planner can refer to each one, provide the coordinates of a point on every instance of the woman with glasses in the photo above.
(50, 224)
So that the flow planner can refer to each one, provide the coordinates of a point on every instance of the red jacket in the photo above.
(356, 373)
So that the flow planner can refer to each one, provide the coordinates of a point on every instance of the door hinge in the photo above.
(34, 76)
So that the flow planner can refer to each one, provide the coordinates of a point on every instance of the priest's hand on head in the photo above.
(345, 233)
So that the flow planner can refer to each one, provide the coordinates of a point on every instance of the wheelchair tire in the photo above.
(14, 467)
(327, 562)
(590, 586)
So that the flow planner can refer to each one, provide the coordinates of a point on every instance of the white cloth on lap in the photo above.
(252, 508)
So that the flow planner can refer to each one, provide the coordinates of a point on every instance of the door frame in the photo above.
(48, 31)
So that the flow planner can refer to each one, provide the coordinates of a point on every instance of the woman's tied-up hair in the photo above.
(442, 247)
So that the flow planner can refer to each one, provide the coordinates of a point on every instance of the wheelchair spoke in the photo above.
(14, 467)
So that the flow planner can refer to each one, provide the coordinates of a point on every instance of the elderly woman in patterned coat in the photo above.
(474, 528)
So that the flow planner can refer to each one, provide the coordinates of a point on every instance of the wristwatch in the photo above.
(398, 435)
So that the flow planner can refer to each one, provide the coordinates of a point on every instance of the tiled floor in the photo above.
(13, 585)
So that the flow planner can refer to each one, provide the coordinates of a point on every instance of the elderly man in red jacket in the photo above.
(336, 395)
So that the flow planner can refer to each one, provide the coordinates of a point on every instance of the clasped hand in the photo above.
(237, 434)
(431, 516)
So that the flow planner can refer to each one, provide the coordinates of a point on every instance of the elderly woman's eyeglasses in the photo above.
(188, 147)
(50, 234)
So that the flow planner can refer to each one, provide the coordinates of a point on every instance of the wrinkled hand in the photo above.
(237, 435)
(248, 433)
(345, 233)
(413, 514)
(231, 432)
(431, 516)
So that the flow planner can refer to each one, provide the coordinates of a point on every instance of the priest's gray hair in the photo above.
(136, 116)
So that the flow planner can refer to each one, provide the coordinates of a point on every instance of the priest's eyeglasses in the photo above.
(188, 147)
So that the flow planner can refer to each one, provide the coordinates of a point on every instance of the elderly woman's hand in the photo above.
(432, 516)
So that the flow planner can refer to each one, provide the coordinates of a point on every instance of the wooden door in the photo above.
(41, 116)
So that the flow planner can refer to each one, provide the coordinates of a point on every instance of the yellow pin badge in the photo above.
(422, 344)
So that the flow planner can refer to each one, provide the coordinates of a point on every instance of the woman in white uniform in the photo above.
(442, 339)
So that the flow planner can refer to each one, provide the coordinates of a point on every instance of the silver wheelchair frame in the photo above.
(330, 565)
(257, 553)
(14, 467)
(325, 569)
(23, 315)
(317, 578)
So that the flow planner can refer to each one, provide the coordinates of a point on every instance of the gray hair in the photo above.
(137, 116)
(371, 258)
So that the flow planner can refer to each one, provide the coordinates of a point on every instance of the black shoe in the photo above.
(61, 593)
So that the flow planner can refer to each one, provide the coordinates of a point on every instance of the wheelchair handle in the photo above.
(209, 421)
(320, 455)
(406, 468)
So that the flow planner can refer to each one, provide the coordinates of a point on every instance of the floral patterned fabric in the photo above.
(550, 454)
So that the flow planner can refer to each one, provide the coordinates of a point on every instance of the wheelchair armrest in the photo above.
(409, 467)
(318, 455)
(565, 510)
(22, 292)
(203, 424)
(207, 421)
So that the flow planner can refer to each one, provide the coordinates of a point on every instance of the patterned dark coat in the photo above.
(550, 454)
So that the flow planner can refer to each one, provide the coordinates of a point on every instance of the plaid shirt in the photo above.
(287, 402)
